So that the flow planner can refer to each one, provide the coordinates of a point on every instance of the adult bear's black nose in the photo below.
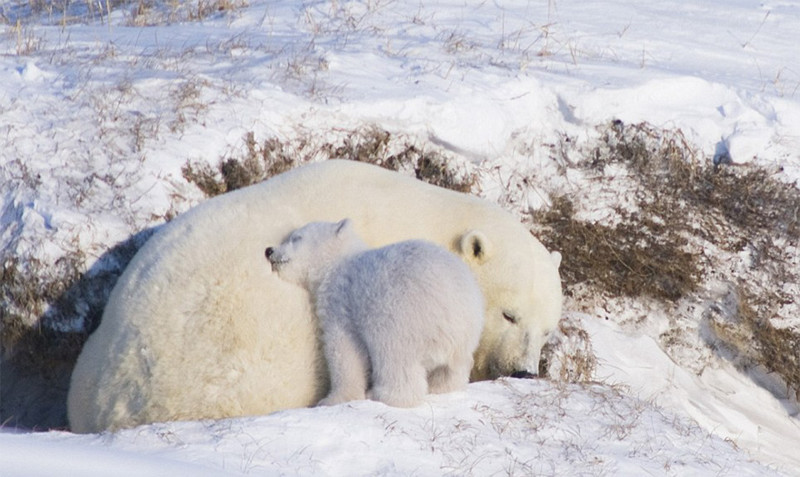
(522, 375)
(268, 252)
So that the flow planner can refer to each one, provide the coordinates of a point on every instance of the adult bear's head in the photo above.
(523, 297)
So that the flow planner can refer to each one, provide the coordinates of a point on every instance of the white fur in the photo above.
(199, 327)
(403, 319)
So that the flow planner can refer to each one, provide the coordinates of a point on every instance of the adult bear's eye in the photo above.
(510, 318)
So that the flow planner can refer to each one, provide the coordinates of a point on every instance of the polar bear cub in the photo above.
(397, 322)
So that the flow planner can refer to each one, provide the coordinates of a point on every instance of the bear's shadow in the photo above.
(35, 370)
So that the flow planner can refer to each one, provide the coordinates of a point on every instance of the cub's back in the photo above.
(413, 276)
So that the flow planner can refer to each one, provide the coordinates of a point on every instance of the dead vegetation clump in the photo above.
(642, 252)
(259, 162)
(27, 290)
(42, 302)
(434, 169)
(739, 325)
(372, 145)
(682, 203)
(568, 355)
(47, 311)
(376, 146)
(676, 182)
(636, 257)
(686, 221)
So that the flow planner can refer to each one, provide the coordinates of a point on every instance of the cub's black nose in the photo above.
(268, 252)
(522, 375)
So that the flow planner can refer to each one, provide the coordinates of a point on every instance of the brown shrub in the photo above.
(568, 356)
(370, 144)
(636, 257)
(739, 325)
(691, 216)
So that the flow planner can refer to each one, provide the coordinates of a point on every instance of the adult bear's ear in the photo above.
(475, 246)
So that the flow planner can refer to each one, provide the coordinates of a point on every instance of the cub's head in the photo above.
(307, 252)
(522, 291)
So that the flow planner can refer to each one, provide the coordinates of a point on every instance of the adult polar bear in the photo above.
(198, 326)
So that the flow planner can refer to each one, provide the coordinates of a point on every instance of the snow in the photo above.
(99, 114)
(719, 398)
(514, 427)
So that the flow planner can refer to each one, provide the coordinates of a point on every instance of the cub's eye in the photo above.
(295, 238)
(510, 318)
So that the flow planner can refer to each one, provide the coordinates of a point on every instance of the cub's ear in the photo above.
(556, 257)
(475, 246)
(342, 225)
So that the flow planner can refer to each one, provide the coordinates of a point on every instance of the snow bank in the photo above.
(514, 427)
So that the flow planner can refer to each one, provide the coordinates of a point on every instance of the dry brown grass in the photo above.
(49, 309)
(634, 258)
(373, 145)
(740, 327)
(259, 162)
(568, 357)
(47, 312)
(689, 216)
(675, 180)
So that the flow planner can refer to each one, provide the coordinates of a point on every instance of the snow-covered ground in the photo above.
(99, 112)
(513, 427)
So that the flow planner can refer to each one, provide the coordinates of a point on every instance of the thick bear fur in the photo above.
(199, 327)
(398, 321)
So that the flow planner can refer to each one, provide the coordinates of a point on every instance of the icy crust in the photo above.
(508, 427)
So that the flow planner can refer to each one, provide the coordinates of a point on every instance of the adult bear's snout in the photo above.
(268, 252)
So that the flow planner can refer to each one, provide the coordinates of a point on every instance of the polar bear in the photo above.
(400, 321)
(199, 327)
